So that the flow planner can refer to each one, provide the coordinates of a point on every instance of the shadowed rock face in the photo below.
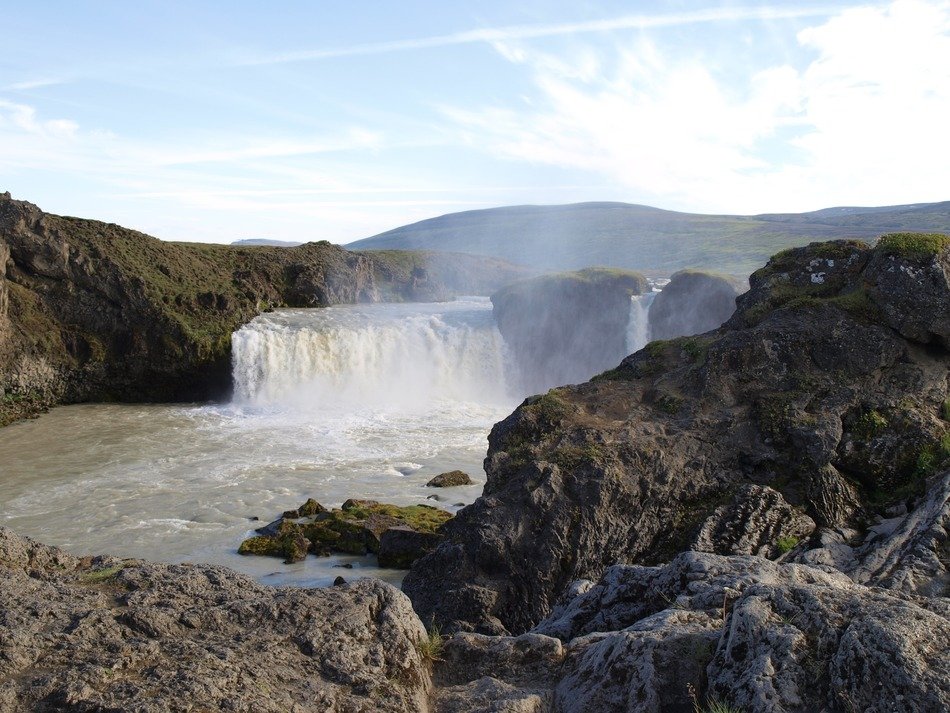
(108, 634)
(98, 312)
(826, 388)
(692, 303)
(566, 327)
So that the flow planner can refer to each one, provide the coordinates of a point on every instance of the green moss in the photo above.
(774, 414)
(353, 529)
(913, 246)
(786, 544)
(621, 373)
(549, 407)
(98, 576)
(696, 348)
(869, 425)
(932, 456)
(945, 410)
(261, 545)
(634, 282)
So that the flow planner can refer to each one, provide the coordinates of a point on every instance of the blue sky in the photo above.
(338, 120)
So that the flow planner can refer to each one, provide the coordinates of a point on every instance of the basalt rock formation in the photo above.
(692, 303)
(819, 408)
(565, 327)
(93, 311)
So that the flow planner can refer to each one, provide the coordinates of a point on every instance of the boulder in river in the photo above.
(450, 479)
(357, 528)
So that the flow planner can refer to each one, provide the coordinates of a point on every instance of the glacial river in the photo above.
(354, 401)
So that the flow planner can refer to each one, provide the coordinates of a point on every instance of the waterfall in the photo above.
(394, 355)
(638, 325)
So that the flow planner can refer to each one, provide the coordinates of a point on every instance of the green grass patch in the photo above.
(668, 404)
(913, 246)
(571, 457)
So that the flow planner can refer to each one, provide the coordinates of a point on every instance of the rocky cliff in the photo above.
(94, 311)
(564, 327)
(819, 408)
(693, 302)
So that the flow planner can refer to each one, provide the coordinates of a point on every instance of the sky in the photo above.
(219, 121)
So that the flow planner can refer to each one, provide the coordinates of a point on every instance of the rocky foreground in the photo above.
(740, 631)
(754, 519)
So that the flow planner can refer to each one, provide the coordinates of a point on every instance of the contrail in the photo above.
(518, 32)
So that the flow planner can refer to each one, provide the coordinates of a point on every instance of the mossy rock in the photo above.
(913, 246)
(357, 529)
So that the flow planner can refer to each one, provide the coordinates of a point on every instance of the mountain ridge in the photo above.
(637, 236)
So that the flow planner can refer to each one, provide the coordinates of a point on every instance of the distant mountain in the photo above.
(266, 241)
(645, 238)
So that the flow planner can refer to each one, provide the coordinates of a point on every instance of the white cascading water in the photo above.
(638, 325)
(396, 355)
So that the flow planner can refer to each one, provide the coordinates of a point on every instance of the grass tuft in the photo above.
(430, 648)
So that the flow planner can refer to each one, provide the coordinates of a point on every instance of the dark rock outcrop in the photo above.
(566, 327)
(98, 312)
(816, 389)
(692, 303)
(107, 634)
(451, 479)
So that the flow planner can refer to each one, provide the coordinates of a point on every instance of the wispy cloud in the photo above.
(525, 32)
(859, 120)
(28, 84)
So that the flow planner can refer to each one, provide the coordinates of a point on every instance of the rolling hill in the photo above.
(657, 241)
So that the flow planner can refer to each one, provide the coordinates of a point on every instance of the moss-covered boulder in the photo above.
(357, 528)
